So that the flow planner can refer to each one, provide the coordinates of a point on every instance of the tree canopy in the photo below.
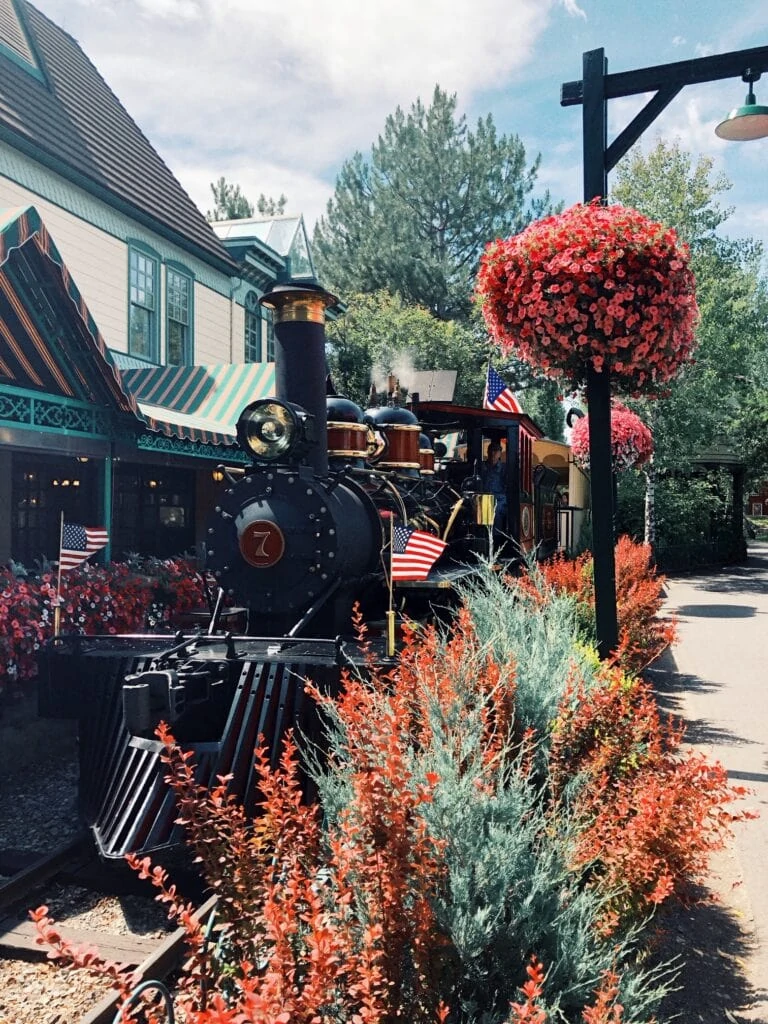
(711, 397)
(271, 207)
(415, 218)
(380, 334)
(231, 204)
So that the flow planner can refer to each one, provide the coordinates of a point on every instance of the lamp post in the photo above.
(600, 157)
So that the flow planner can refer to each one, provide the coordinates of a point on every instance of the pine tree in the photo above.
(415, 218)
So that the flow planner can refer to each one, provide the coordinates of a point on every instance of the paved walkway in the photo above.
(716, 678)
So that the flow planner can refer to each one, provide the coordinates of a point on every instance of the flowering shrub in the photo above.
(117, 598)
(631, 440)
(24, 624)
(599, 284)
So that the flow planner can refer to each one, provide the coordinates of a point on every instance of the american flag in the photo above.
(79, 543)
(497, 395)
(414, 552)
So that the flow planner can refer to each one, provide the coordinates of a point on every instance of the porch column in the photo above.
(106, 503)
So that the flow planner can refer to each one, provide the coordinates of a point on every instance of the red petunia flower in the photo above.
(631, 440)
(579, 286)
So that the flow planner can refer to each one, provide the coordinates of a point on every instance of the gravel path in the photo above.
(39, 812)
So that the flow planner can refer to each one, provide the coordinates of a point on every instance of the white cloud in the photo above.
(573, 9)
(276, 96)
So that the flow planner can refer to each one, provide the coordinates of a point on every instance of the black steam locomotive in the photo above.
(298, 538)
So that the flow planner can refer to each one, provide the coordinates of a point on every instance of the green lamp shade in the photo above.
(744, 123)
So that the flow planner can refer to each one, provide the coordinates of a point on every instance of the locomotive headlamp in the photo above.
(272, 431)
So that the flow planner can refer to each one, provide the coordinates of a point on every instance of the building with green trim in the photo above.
(130, 329)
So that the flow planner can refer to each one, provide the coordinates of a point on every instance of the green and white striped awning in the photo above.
(198, 403)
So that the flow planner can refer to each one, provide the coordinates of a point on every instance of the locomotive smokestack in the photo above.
(300, 371)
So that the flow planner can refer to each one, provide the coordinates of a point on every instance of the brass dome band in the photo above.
(301, 311)
(427, 460)
(359, 428)
(402, 446)
(347, 440)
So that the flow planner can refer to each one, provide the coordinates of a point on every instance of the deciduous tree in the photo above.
(719, 395)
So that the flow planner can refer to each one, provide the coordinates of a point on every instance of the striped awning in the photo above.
(55, 348)
(198, 403)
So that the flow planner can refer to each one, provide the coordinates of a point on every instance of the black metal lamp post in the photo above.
(593, 93)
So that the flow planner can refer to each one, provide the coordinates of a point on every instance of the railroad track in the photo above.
(76, 863)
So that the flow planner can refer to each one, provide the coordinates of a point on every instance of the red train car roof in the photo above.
(462, 417)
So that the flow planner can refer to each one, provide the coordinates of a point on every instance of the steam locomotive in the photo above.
(299, 537)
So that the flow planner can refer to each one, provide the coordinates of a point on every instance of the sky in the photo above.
(276, 98)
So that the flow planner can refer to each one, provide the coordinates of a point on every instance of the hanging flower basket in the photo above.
(595, 284)
(631, 440)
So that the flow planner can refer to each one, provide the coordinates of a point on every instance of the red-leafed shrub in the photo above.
(649, 814)
(643, 632)
(462, 863)
(631, 440)
(595, 284)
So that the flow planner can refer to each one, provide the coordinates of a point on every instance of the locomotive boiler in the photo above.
(297, 539)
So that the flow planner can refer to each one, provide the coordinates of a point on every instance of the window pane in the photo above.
(142, 280)
(252, 337)
(178, 297)
(177, 343)
(142, 291)
(140, 338)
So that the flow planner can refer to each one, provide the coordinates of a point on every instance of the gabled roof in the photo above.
(72, 122)
(287, 236)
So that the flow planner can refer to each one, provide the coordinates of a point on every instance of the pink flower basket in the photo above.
(631, 440)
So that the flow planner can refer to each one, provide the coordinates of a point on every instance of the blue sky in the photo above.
(276, 97)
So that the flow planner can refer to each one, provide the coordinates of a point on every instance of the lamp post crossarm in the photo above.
(680, 73)
(644, 119)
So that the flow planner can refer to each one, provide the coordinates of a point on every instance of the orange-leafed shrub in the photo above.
(649, 813)
(644, 633)
(469, 857)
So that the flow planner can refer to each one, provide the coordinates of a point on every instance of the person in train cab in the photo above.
(494, 478)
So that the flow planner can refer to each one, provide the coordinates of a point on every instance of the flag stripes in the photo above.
(79, 542)
(497, 395)
(414, 552)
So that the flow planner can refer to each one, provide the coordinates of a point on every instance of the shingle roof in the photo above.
(76, 125)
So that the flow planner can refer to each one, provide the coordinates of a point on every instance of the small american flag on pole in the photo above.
(79, 542)
(414, 552)
(497, 395)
